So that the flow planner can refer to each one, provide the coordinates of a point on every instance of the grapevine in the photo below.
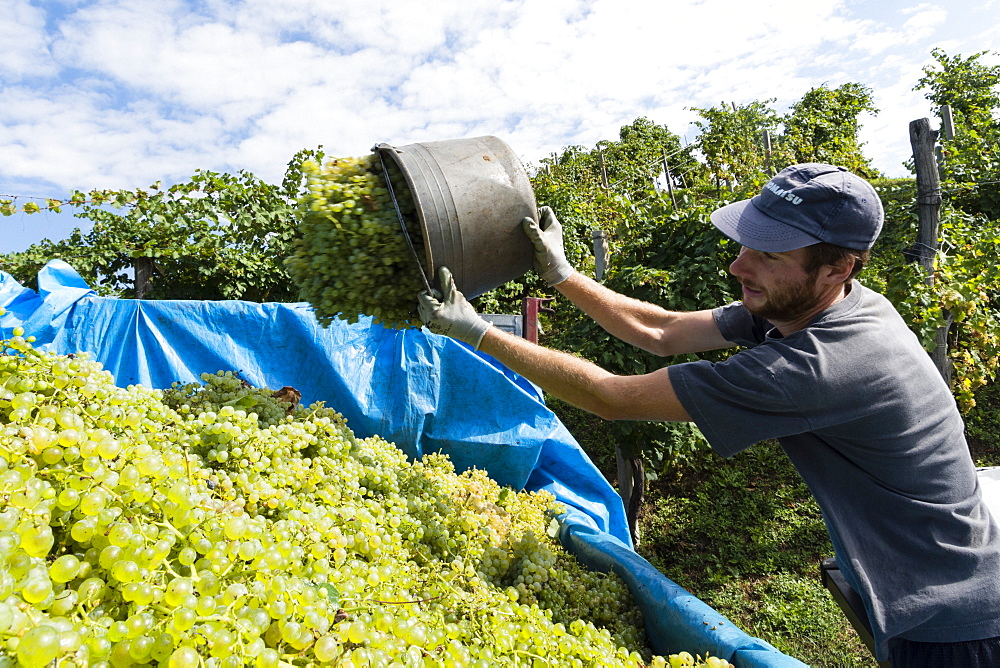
(177, 528)
(351, 257)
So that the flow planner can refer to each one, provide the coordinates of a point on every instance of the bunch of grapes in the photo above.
(227, 388)
(128, 539)
(351, 256)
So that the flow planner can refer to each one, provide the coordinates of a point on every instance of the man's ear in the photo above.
(834, 274)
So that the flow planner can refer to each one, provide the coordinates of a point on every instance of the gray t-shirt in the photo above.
(872, 428)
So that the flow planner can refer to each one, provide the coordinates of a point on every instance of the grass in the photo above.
(745, 536)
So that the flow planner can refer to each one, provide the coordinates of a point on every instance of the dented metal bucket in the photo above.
(470, 196)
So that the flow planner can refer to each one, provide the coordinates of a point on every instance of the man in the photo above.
(830, 370)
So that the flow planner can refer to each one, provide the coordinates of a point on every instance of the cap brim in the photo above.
(747, 225)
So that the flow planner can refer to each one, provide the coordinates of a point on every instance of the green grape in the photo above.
(120, 534)
(64, 568)
(351, 256)
(93, 502)
(140, 648)
(184, 618)
(6, 617)
(220, 524)
(39, 647)
(184, 657)
(177, 590)
(36, 589)
(68, 499)
(37, 541)
(269, 658)
(125, 571)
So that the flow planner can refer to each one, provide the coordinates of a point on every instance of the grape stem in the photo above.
(419, 600)
(167, 525)
(529, 654)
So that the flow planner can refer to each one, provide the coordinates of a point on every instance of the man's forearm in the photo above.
(584, 384)
(644, 325)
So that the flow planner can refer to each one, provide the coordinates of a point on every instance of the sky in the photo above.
(124, 93)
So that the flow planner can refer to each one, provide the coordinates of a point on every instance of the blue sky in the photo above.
(124, 93)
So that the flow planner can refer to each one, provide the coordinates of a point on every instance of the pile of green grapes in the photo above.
(351, 256)
(175, 528)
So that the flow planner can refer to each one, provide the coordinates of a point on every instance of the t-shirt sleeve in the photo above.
(738, 402)
(738, 326)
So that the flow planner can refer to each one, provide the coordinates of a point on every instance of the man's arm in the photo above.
(644, 325)
(641, 324)
(585, 385)
(575, 380)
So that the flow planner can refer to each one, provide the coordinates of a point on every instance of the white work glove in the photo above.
(547, 237)
(451, 315)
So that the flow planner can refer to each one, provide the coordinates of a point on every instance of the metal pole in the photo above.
(600, 253)
(604, 168)
(666, 174)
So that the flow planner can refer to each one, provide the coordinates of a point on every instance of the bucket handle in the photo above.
(379, 150)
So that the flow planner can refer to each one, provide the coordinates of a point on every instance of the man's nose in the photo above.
(738, 266)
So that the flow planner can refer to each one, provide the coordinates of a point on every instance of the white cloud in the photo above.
(73, 140)
(23, 45)
(924, 19)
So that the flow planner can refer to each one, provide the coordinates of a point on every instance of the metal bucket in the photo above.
(470, 196)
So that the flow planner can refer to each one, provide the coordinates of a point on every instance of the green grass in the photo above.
(745, 536)
(983, 426)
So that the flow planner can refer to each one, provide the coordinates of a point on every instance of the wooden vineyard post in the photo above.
(923, 140)
(768, 166)
(143, 267)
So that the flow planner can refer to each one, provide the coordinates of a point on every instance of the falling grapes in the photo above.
(220, 525)
(351, 256)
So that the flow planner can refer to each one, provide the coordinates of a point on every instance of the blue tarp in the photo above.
(423, 392)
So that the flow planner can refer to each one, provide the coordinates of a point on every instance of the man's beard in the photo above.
(788, 302)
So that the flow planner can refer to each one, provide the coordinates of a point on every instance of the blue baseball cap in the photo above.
(804, 205)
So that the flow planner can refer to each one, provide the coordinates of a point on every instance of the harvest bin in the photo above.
(424, 392)
(470, 196)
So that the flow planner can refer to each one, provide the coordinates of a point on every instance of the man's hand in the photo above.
(451, 314)
(546, 235)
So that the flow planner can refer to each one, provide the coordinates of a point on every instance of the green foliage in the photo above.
(965, 281)
(757, 495)
(732, 142)
(964, 83)
(660, 254)
(964, 291)
(626, 167)
(635, 160)
(823, 127)
(592, 433)
(982, 426)
(573, 184)
(968, 273)
(971, 165)
(216, 236)
(670, 254)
